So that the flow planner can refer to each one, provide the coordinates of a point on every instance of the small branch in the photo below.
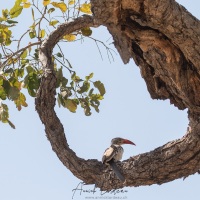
(99, 50)
(61, 52)
(107, 48)
(64, 65)
(21, 38)
(40, 12)
(17, 52)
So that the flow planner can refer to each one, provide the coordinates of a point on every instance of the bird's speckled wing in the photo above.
(108, 154)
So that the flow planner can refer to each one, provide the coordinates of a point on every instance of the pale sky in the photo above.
(30, 170)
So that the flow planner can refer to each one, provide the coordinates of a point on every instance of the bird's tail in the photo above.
(116, 170)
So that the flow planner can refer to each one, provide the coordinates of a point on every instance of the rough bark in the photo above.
(164, 40)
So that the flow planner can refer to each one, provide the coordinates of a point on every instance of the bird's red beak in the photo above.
(128, 142)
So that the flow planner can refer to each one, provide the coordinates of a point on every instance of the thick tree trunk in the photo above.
(164, 40)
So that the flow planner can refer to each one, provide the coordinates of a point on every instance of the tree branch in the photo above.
(163, 39)
(161, 66)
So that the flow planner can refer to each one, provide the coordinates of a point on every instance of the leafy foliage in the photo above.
(20, 68)
(78, 92)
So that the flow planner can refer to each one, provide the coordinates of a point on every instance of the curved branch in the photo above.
(45, 103)
(174, 160)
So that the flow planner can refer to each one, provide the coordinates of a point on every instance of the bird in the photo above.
(114, 153)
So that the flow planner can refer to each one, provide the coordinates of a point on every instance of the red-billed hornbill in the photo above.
(114, 153)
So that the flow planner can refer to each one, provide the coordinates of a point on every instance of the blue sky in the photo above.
(29, 168)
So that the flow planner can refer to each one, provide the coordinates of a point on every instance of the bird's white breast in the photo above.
(118, 155)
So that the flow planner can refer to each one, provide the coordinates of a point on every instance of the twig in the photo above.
(21, 38)
(15, 53)
(99, 50)
(40, 12)
(107, 48)
(71, 71)
(61, 52)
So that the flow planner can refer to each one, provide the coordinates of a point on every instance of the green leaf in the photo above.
(89, 77)
(36, 54)
(90, 92)
(24, 61)
(13, 93)
(85, 8)
(69, 37)
(59, 77)
(59, 55)
(72, 84)
(32, 33)
(4, 115)
(24, 54)
(71, 2)
(11, 21)
(65, 92)
(51, 10)
(30, 69)
(73, 75)
(11, 124)
(19, 72)
(100, 87)
(53, 22)
(60, 100)
(33, 15)
(26, 4)
(86, 31)
(21, 101)
(33, 84)
(84, 88)
(70, 105)
(14, 82)
(8, 41)
(95, 105)
(87, 110)
(16, 10)
(46, 2)
(95, 97)
(31, 81)
(1, 39)
(5, 13)
(6, 86)
(61, 5)
(1, 80)
(85, 105)
(75, 78)
(42, 33)
(3, 94)
(64, 82)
